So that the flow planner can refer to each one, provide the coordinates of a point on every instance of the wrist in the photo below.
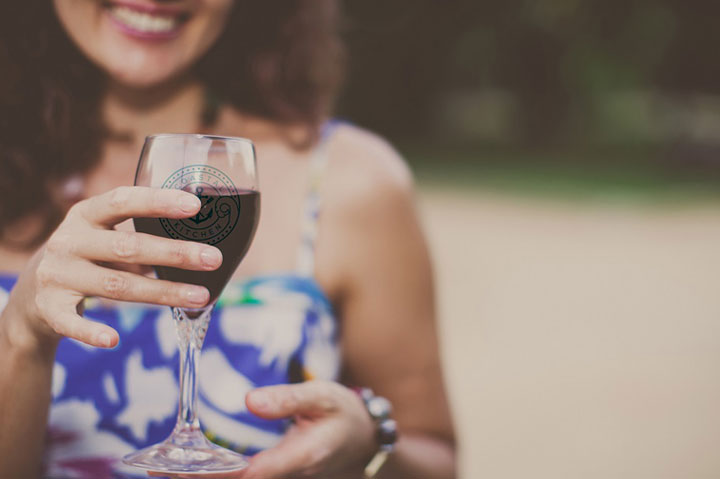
(379, 409)
(20, 333)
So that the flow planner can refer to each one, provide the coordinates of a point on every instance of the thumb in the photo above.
(309, 399)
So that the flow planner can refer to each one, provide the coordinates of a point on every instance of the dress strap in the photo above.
(311, 212)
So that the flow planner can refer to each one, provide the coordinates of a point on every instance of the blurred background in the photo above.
(568, 160)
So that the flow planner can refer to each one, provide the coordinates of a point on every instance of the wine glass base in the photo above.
(186, 453)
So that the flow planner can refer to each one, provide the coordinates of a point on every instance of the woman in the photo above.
(84, 81)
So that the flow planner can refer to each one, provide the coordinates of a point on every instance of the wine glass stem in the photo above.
(191, 334)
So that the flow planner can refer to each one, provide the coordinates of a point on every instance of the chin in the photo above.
(128, 80)
(142, 74)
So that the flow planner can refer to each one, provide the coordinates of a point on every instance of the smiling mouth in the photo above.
(144, 21)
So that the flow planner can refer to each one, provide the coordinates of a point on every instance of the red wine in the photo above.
(226, 221)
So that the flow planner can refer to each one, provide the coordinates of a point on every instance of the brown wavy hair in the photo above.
(279, 60)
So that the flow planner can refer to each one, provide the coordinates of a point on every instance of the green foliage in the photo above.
(638, 174)
(566, 64)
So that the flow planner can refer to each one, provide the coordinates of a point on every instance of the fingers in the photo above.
(61, 317)
(312, 398)
(303, 456)
(140, 248)
(93, 280)
(85, 331)
(126, 202)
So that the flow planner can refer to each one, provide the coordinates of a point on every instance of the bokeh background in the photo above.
(568, 161)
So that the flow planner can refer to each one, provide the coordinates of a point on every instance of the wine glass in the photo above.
(221, 172)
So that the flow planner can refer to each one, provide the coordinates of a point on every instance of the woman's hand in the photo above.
(332, 436)
(76, 262)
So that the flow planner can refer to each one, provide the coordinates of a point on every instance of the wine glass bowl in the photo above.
(221, 172)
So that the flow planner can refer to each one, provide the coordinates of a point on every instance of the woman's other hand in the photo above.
(76, 262)
(332, 435)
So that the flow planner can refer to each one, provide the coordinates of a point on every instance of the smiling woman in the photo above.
(322, 302)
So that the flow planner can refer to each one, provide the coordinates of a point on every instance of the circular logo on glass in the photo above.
(220, 208)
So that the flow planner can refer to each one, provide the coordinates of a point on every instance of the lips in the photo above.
(145, 20)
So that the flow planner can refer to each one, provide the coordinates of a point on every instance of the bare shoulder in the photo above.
(369, 219)
(364, 167)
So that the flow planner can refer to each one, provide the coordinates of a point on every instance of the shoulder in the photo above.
(364, 168)
(369, 227)
(368, 205)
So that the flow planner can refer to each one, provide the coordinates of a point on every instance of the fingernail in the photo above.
(210, 257)
(197, 296)
(189, 203)
(104, 340)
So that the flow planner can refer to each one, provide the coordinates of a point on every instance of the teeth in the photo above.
(144, 22)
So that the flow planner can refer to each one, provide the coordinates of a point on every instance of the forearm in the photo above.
(25, 378)
(419, 456)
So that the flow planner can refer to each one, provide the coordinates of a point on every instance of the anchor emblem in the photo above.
(206, 210)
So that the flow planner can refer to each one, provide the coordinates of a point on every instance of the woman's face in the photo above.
(142, 43)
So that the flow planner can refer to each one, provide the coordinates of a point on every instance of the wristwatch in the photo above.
(386, 434)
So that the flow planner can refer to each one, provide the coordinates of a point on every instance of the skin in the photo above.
(371, 260)
(137, 63)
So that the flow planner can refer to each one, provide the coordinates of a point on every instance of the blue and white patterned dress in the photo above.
(267, 330)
